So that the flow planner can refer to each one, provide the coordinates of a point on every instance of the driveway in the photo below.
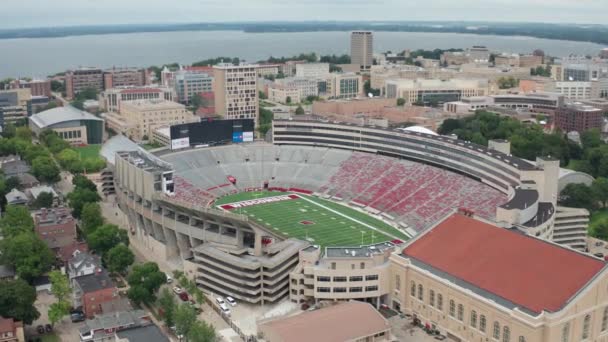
(65, 330)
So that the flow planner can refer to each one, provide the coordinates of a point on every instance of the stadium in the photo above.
(314, 213)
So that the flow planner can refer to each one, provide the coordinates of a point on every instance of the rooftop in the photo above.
(507, 266)
(46, 217)
(358, 252)
(154, 104)
(343, 322)
(94, 282)
(61, 114)
(145, 333)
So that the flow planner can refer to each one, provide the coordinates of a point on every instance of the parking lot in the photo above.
(65, 330)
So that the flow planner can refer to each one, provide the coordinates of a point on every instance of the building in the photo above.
(108, 327)
(37, 87)
(343, 86)
(435, 91)
(83, 78)
(138, 119)
(536, 102)
(578, 117)
(579, 69)
(11, 330)
(125, 77)
(281, 93)
(362, 49)
(82, 264)
(269, 69)
(16, 197)
(15, 168)
(189, 82)
(574, 90)
(92, 291)
(73, 125)
(491, 282)
(478, 54)
(604, 53)
(236, 91)
(312, 70)
(35, 191)
(454, 58)
(56, 227)
(352, 321)
(305, 86)
(14, 105)
(162, 136)
(111, 99)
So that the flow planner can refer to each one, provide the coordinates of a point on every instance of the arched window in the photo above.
(482, 323)
(420, 292)
(566, 332)
(413, 289)
(522, 339)
(605, 319)
(440, 302)
(397, 281)
(586, 325)
(506, 334)
(460, 312)
(474, 319)
(452, 308)
(496, 331)
(431, 298)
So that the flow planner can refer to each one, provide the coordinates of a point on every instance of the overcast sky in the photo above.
(37, 13)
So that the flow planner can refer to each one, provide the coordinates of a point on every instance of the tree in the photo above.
(17, 301)
(201, 332)
(300, 110)
(82, 182)
(58, 310)
(600, 190)
(44, 200)
(45, 169)
(91, 217)
(578, 196)
(167, 303)
(119, 258)
(400, 101)
(196, 101)
(12, 183)
(106, 237)
(60, 287)
(144, 280)
(191, 287)
(16, 220)
(23, 133)
(184, 317)
(600, 229)
(79, 197)
(288, 99)
(591, 138)
(57, 86)
(70, 160)
(30, 256)
(262, 95)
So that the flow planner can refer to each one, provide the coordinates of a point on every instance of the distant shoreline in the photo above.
(582, 33)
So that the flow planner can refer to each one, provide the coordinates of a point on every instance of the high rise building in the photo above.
(38, 87)
(362, 49)
(236, 92)
(125, 77)
(83, 78)
(191, 82)
(578, 117)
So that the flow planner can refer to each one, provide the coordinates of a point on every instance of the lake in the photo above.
(44, 56)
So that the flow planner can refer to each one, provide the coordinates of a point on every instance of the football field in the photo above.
(318, 221)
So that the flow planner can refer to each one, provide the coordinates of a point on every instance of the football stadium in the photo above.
(315, 211)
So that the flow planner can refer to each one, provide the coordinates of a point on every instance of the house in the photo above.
(7, 272)
(93, 290)
(56, 227)
(11, 330)
(66, 253)
(105, 327)
(16, 197)
(145, 333)
(15, 168)
(37, 190)
(42, 283)
(9, 158)
(83, 264)
(27, 180)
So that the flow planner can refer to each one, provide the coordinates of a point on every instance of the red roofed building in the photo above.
(475, 281)
(11, 330)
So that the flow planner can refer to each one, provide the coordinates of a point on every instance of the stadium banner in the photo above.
(247, 136)
(180, 143)
(237, 137)
(249, 203)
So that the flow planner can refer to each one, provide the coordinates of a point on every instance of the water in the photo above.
(45, 56)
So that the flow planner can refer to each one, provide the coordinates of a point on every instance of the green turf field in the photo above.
(89, 151)
(329, 223)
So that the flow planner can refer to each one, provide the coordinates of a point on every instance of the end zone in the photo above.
(249, 203)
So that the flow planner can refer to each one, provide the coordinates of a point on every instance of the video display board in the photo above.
(212, 132)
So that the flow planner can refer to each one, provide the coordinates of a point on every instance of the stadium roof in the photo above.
(343, 322)
(118, 143)
(61, 114)
(503, 265)
(419, 129)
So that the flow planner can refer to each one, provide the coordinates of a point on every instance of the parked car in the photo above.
(231, 301)
(599, 255)
(40, 329)
(77, 316)
(220, 300)
(177, 290)
(48, 328)
(183, 296)
(169, 279)
(225, 309)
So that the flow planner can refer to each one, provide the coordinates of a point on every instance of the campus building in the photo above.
(125, 77)
(111, 99)
(236, 91)
(435, 91)
(362, 49)
(190, 82)
(83, 78)
(578, 117)
(73, 125)
(312, 70)
(37, 87)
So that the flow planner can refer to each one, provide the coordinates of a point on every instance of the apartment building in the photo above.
(189, 82)
(125, 77)
(435, 91)
(38, 87)
(56, 227)
(111, 99)
(14, 105)
(343, 86)
(578, 117)
(362, 49)
(236, 91)
(312, 70)
(139, 119)
(83, 78)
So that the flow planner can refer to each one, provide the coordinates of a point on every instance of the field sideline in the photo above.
(319, 221)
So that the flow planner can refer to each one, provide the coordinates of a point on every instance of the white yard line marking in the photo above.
(348, 217)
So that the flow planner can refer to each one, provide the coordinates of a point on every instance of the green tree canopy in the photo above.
(44, 200)
(91, 217)
(17, 301)
(16, 220)
(60, 286)
(300, 110)
(184, 317)
(119, 258)
(106, 237)
(79, 197)
(578, 196)
(166, 301)
(30, 256)
(144, 280)
(201, 332)
(45, 169)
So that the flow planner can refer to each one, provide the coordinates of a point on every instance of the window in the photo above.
(432, 298)
(322, 278)
(496, 331)
(371, 288)
(362, 265)
(371, 277)
(452, 308)
(413, 289)
(398, 282)
(522, 339)
(460, 312)
(356, 278)
(566, 332)
(420, 292)
(474, 319)
(333, 265)
(506, 334)
(586, 324)
(440, 302)
(355, 289)
(323, 289)
(482, 323)
(339, 289)
(605, 319)
(339, 279)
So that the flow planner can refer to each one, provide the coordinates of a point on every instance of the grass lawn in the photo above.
(319, 221)
(596, 217)
(49, 338)
(89, 151)
(151, 146)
